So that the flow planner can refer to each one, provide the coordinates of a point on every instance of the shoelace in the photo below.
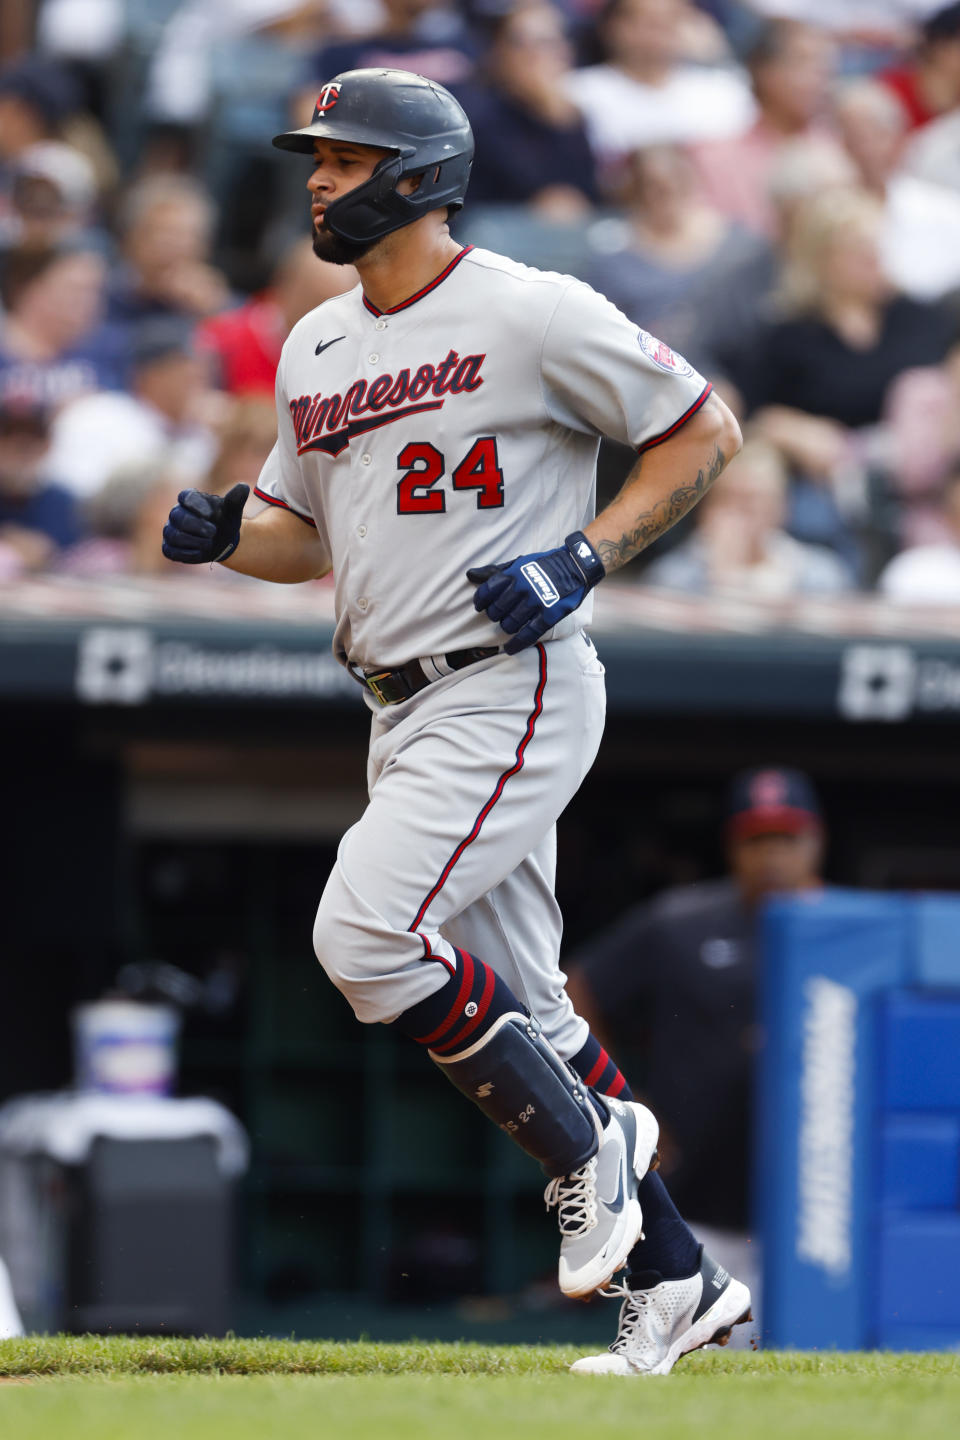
(631, 1316)
(616, 1290)
(576, 1197)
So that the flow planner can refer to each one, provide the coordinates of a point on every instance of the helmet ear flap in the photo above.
(374, 208)
(377, 208)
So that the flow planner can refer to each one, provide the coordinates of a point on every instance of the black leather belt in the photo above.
(392, 686)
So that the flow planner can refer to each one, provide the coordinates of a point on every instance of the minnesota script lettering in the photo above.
(380, 402)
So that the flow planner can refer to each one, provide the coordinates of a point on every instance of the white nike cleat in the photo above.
(668, 1320)
(599, 1213)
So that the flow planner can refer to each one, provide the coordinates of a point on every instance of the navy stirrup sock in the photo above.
(461, 1011)
(669, 1250)
(596, 1069)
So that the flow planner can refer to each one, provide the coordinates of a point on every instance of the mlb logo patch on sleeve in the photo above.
(661, 354)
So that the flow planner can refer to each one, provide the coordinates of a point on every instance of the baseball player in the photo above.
(438, 428)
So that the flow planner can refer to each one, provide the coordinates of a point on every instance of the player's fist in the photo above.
(204, 527)
(530, 594)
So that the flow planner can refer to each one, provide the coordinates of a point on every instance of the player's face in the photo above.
(339, 167)
(778, 863)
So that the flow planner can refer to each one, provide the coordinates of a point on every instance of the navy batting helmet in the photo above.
(417, 120)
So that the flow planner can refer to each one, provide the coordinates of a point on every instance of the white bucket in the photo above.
(124, 1048)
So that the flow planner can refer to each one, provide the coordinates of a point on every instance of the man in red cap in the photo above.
(672, 984)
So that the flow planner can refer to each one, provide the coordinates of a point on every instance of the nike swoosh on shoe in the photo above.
(617, 1202)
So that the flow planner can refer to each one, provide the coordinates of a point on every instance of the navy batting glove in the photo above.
(530, 594)
(204, 527)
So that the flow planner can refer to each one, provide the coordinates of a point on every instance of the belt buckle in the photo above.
(372, 683)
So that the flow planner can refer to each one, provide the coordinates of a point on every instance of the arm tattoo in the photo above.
(652, 523)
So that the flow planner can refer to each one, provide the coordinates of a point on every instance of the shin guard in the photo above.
(520, 1083)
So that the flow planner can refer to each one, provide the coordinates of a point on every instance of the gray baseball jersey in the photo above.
(461, 428)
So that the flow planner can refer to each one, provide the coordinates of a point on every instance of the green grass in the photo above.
(122, 1388)
(44, 1355)
(131, 1355)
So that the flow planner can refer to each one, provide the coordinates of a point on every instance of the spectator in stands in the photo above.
(679, 271)
(181, 86)
(921, 224)
(247, 436)
(644, 93)
(822, 372)
(673, 983)
(921, 427)
(36, 97)
(52, 197)
(53, 344)
(121, 520)
(928, 84)
(804, 167)
(820, 377)
(90, 34)
(123, 514)
(929, 574)
(37, 518)
(245, 343)
(791, 66)
(427, 36)
(164, 418)
(739, 546)
(532, 147)
(166, 228)
(932, 153)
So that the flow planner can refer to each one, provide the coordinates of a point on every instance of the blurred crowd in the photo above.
(769, 186)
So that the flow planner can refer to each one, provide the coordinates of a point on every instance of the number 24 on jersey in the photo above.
(423, 465)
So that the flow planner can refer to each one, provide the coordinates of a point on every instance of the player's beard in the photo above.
(330, 247)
